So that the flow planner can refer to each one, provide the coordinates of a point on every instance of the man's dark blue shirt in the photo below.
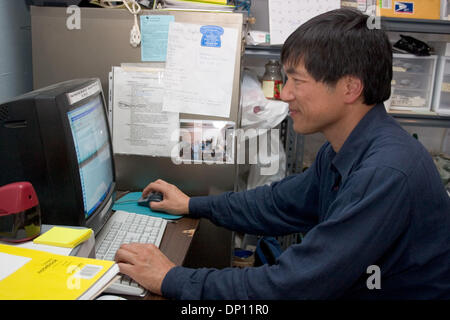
(378, 202)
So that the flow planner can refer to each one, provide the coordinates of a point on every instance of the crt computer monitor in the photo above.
(58, 139)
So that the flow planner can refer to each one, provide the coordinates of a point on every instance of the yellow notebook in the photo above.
(27, 274)
(64, 237)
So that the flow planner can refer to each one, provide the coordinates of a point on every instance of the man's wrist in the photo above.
(199, 206)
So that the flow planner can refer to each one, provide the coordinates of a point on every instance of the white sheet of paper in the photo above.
(139, 124)
(10, 263)
(285, 16)
(199, 78)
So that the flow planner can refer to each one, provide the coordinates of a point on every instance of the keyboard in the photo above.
(126, 227)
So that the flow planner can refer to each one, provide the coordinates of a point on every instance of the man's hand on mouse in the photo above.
(174, 200)
(145, 264)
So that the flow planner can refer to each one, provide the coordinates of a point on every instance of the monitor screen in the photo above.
(91, 140)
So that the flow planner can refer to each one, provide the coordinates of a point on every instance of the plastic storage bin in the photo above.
(445, 9)
(441, 99)
(412, 82)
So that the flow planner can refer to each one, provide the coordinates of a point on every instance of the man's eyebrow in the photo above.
(291, 70)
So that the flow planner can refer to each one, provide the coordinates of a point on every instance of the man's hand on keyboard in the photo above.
(145, 264)
(174, 200)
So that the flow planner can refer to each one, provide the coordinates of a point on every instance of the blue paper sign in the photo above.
(154, 34)
(211, 36)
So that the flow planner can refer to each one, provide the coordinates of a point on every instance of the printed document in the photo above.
(199, 70)
(139, 125)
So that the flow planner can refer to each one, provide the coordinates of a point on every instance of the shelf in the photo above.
(415, 25)
(267, 52)
(417, 119)
(388, 24)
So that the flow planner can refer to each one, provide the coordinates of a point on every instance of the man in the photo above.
(372, 200)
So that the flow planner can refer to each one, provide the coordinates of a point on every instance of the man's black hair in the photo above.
(339, 43)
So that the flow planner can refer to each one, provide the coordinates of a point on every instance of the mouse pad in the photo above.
(129, 203)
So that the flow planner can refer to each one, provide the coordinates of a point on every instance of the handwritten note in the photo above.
(285, 16)
(199, 69)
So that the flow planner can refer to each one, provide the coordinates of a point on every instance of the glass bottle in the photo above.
(272, 81)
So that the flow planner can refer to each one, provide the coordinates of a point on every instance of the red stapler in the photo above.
(20, 215)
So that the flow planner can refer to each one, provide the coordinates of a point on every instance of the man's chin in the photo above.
(303, 130)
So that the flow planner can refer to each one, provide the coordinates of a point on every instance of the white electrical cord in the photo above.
(134, 8)
(135, 34)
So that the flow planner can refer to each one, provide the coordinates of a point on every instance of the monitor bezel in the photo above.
(98, 218)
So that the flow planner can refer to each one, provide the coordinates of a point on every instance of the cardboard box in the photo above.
(412, 9)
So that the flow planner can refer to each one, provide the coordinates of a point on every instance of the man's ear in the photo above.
(352, 88)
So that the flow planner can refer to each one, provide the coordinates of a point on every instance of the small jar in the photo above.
(272, 81)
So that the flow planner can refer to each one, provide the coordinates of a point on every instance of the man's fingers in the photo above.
(126, 253)
(126, 268)
(158, 186)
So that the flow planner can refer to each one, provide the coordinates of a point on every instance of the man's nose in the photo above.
(286, 93)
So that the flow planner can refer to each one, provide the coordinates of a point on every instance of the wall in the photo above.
(15, 49)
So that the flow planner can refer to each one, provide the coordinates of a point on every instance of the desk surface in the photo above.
(175, 243)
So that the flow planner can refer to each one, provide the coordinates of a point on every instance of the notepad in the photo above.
(64, 237)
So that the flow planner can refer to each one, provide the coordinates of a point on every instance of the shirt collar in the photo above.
(356, 143)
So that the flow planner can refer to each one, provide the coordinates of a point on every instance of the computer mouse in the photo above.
(152, 197)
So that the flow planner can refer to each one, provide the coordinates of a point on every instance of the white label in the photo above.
(83, 93)
(267, 88)
(88, 271)
(10, 263)
(399, 69)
